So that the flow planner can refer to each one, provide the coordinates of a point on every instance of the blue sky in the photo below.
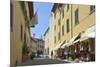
(44, 11)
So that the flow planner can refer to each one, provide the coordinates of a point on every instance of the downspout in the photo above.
(71, 23)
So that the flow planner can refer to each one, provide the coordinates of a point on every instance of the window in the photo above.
(63, 30)
(48, 51)
(11, 17)
(59, 21)
(24, 38)
(76, 17)
(21, 32)
(55, 28)
(55, 39)
(59, 36)
(92, 8)
(62, 10)
(55, 15)
(67, 7)
(67, 25)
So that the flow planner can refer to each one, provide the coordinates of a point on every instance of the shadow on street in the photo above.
(42, 61)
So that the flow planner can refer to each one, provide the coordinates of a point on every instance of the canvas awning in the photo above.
(74, 40)
(89, 33)
(58, 46)
(64, 45)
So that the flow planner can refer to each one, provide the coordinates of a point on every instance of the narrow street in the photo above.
(51, 33)
(42, 61)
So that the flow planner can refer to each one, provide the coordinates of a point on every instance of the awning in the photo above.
(64, 45)
(74, 40)
(89, 33)
(58, 46)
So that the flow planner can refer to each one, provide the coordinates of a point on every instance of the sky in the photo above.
(44, 12)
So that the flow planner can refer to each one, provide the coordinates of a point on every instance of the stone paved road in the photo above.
(42, 62)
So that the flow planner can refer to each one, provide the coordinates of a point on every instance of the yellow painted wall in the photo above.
(15, 36)
(86, 20)
(67, 15)
(16, 43)
(51, 34)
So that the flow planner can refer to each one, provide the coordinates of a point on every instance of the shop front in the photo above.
(88, 49)
(87, 44)
(74, 47)
(59, 52)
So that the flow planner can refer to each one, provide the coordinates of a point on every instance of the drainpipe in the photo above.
(71, 23)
